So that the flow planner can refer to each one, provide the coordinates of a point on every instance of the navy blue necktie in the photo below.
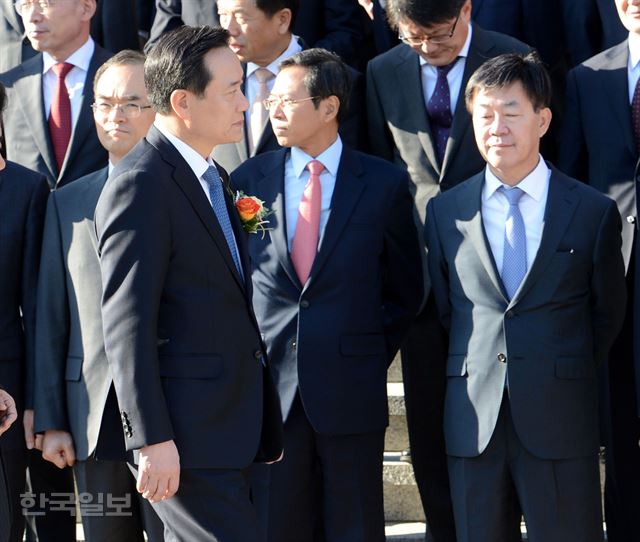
(514, 262)
(216, 193)
(439, 110)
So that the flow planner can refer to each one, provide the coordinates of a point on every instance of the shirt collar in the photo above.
(196, 162)
(330, 158)
(533, 184)
(464, 52)
(80, 58)
(274, 67)
(634, 50)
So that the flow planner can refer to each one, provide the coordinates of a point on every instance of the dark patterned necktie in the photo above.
(439, 110)
(635, 115)
(60, 114)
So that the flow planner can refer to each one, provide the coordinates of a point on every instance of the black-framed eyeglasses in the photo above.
(22, 6)
(129, 110)
(415, 41)
(274, 101)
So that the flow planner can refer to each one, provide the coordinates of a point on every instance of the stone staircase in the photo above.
(402, 505)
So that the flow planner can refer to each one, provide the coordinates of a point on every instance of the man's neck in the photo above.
(278, 50)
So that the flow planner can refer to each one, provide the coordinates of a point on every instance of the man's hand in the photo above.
(159, 471)
(32, 440)
(8, 412)
(57, 448)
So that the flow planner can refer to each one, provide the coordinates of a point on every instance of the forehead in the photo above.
(224, 67)
(121, 79)
(236, 5)
(411, 28)
(508, 96)
(290, 80)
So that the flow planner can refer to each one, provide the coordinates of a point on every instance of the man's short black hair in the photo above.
(176, 61)
(327, 75)
(423, 12)
(271, 7)
(504, 70)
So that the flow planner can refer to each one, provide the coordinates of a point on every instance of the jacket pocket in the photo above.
(457, 365)
(191, 366)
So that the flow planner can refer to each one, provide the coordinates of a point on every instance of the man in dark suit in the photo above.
(262, 38)
(23, 197)
(603, 99)
(332, 24)
(73, 400)
(334, 291)
(196, 401)
(49, 124)
(528, 276)
(437, 149)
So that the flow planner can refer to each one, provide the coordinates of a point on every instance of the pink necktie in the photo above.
(60, 115)
(305, 240)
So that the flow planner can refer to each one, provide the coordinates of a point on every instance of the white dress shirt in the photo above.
(74, 81)
(633, 66)
(196, 162)
(251, 87)
(429, 75)
(533, 202)
(296, 177)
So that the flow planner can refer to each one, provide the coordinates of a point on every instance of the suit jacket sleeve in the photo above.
(30, 264)
(573, 159)
(403, 280)
(608, 287)
(168, 17)
(342, 29)
(52, 329)
(380, 142)
(437, 266)
(134, 244)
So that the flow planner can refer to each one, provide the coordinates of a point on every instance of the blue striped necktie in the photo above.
(514, 262)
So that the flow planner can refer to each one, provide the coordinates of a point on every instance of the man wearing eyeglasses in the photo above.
(261, 37)
(336, 285)
(48, 122)
(417, 120)
(75, 405)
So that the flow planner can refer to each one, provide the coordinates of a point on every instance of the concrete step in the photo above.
(401, 498)
(394, 374)
(396, 437)
(405, 532)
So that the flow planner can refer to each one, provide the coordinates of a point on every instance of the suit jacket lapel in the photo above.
(85, 124)
(561, 205)
(184, 177)
(408, 72)
(12, 15)
(267, 137)
(470, 205)
(29, 88)
(347, 192)
(615, 90)
(272, 189)
(479, 51)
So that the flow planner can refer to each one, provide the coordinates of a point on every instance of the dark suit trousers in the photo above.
(211, 505)
(111, 481)
(325, 489)
(46, 479)
(423, 373)
(621, 432)
(560, 499)
(13, 465)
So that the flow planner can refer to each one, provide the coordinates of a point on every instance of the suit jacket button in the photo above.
(257, 354)
(294, 345)
(631, 219)
(502, 358)
(510, 314)
(304, 304)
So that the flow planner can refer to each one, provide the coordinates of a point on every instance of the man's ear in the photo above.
(545, 116)
(330, 108)
(89, 8)
(180, 101)
(283, 19)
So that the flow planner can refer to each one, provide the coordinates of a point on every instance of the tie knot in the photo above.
(513, 194)
(443, 71)
(315, 167)
(61, 69)
(263, 75)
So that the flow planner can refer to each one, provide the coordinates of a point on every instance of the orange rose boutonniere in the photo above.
(252, 213)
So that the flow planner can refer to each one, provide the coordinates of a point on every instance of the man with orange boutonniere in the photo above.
(336, 284)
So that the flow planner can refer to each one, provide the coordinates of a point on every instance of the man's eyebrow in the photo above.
(128, 97)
